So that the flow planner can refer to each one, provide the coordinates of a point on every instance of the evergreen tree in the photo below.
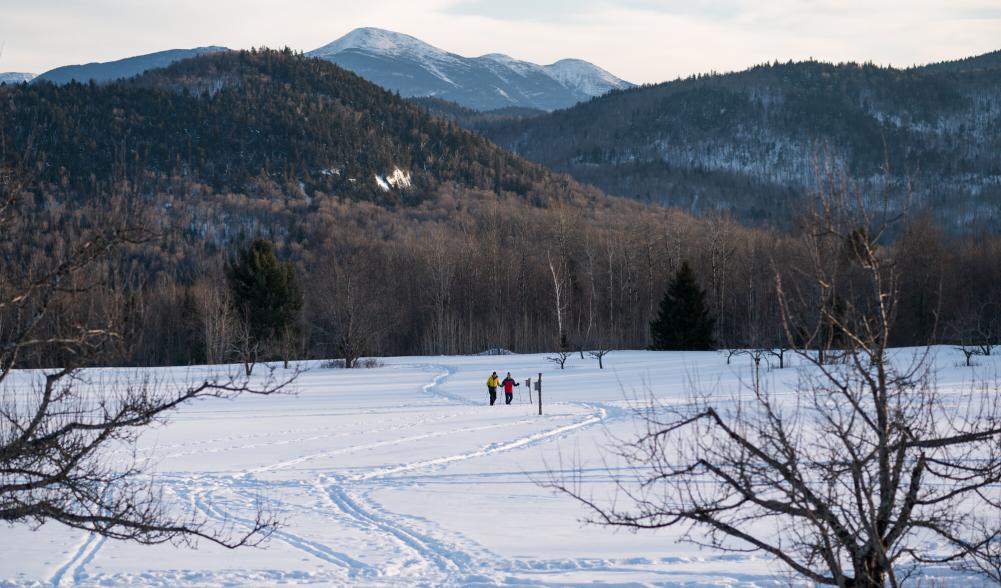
(266, 293)
(684, 322)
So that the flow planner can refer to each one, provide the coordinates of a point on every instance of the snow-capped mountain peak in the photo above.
(412, 67)
(498, 57)
(585, 77)
(381, 42)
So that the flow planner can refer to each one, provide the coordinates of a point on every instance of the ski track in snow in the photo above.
(314, 548)
(376, 445)
(448, 559)
(73, 570)
(484, 451)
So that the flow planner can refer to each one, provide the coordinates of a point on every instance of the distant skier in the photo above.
(509, 385)
(492, 382)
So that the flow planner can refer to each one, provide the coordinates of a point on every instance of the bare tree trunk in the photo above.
(217, 322)
(559, 289)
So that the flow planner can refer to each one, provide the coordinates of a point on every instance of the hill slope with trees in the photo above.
(753, 143)
(247, 121)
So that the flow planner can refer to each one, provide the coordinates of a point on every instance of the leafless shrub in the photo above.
(600, 354)
(365, 363)
(560, 357)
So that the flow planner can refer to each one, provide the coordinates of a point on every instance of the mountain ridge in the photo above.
(108, 71)
(414, 68)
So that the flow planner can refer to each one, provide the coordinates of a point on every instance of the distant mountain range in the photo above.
(414, 68)
(13, 77)
(407, 65)
(754, 143)
(122, 68)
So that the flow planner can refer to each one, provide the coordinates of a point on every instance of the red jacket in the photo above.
(509, 385)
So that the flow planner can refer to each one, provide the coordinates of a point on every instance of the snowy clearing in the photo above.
(402, 475)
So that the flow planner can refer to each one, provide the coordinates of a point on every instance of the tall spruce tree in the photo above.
(266, 293)
(684, 322)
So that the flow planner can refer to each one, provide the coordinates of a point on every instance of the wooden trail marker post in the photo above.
(538, 388)
(528, 386)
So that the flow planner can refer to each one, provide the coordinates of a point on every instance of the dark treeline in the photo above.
(465, 275)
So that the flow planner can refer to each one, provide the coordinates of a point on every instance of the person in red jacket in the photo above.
(509, 385)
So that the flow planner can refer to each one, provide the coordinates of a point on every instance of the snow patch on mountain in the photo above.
(398, 179)
(519, 67)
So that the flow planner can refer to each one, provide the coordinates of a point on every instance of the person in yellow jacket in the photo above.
(492, 382)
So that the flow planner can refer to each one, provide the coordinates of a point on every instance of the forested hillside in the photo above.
(473, 119)
(251, 121)
(753, 143)
(407, 234)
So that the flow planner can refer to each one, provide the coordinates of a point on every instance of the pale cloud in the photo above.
(640, 40)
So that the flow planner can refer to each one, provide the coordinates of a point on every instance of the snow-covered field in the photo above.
(402, 475)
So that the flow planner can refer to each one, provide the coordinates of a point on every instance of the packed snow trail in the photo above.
(448, 559)
(403, 475)
(73, 571)
(483, 451)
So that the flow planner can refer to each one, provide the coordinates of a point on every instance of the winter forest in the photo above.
(249, 302)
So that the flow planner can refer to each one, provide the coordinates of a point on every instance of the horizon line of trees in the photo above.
(497, 275)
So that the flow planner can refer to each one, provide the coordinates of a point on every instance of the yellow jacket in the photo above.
(493, 381)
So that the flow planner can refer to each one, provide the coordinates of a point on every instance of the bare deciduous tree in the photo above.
(289, 344)
(720, 252)
(560, 357)
(219, 325)
(779, 353)
(351, 305)
(442, 269)
(977, 331)
(245, 346)
(557, 270)
(599, 353)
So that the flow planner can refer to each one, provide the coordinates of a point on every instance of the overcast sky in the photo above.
(639, 40)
